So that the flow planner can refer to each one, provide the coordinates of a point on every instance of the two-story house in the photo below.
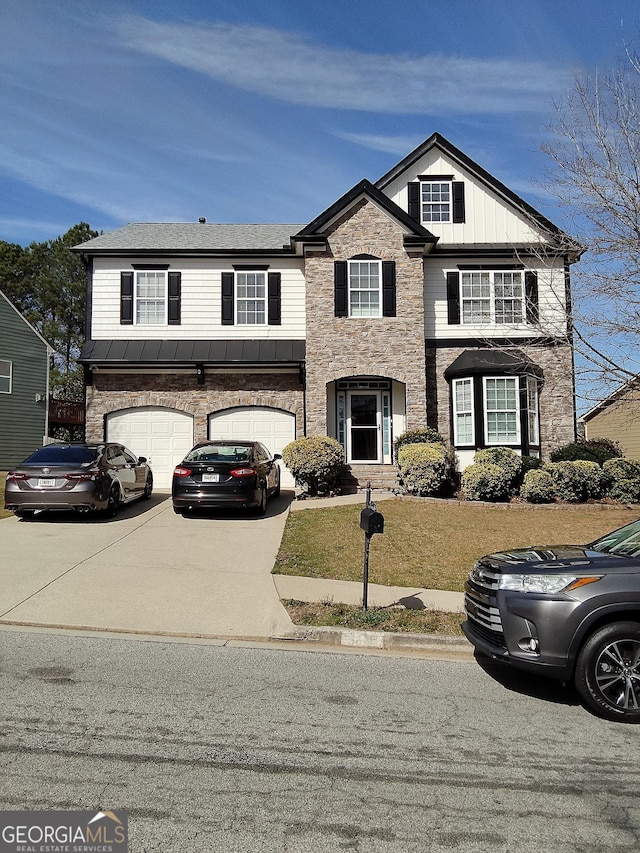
(24, 386)
(435, 296)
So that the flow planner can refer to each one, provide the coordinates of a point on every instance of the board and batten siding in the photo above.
(488, 218)
(23, 419)
(551, 303)
(201, 301)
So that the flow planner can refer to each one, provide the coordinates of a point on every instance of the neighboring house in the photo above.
(435, 296)
(24, 384)
(617, 418)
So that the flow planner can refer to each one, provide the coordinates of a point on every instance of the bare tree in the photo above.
(594, 146)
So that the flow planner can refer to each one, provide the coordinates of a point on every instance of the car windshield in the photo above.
(218, 453)
(63, 454)
(624, 542)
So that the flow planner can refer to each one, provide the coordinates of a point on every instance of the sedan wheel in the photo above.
(148, 488)
(262, 506)
(608, 672)
(114, 502)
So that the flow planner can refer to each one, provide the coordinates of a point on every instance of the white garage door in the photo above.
(164, 436)
(273, 427)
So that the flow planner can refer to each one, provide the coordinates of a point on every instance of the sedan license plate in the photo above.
(46, 484)
(210, 478)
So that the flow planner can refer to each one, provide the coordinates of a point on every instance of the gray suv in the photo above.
(568, 612)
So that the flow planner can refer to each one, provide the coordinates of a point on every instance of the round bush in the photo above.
(576, 481)
(621, 469)
(424, 468)
(594, 450)
(316, 463)
(625, 491)
(505, 458)
(428, 435)
(537, 487)
(486, 481)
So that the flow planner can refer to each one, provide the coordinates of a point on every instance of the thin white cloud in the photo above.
(400, 145)
(288, 67)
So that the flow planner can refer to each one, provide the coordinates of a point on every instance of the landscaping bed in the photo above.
(393, 619)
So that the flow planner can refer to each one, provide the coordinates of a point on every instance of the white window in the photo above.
(5, 377)
(365, 282)
(492, 297)
(463, 425)
(532, 410)
(151, 297)
(436, 201)
(502, 412)
(251, 298)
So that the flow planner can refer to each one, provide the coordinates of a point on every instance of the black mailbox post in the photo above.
(371, 521)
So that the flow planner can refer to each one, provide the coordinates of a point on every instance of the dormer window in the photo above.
(436, 198)
(436, 201)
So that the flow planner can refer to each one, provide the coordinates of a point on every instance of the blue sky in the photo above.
(247, 111)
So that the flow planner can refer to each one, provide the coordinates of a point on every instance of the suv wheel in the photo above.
(608, 672)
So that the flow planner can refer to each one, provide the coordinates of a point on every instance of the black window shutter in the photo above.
(340, 294)
(414, 200)
(531, 296)
(453, 298)
(458, 201)
(126, 298)
(274, 301)
(227, 298)
(175, 289)
(388, 288)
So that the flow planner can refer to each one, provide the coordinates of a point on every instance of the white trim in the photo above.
(499, 443)
(350, 289)
(8, 376)
(264, 299)
(456, 437)
(137, 299)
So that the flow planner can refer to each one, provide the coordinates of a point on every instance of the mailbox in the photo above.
(371, 521)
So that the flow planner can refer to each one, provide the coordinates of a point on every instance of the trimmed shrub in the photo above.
(486, 481)
(621, 469)
(505, 458)
(538, 487)
(576, 481)
(428, 435)
(594, 450)
(316, 462)
(625, 491)
(622, 479)
(425, 468)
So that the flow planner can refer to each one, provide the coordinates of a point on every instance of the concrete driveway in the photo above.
(147, 570)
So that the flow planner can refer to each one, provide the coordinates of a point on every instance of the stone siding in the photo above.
(340, 347)
(112, 392)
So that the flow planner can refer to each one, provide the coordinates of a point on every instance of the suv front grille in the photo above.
(481, 604)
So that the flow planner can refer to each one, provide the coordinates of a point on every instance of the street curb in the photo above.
(385, 640)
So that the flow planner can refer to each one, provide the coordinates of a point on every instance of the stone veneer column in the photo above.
(339, 347)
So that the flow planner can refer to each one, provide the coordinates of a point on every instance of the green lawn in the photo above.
(428, 544)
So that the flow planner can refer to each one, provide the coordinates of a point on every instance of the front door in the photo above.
(364, 426)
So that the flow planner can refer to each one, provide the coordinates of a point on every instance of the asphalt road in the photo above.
(213, 747)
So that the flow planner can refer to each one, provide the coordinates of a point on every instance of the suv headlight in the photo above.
(543, 583)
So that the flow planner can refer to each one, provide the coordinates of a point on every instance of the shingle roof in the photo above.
(191, 237)
(139, 352)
